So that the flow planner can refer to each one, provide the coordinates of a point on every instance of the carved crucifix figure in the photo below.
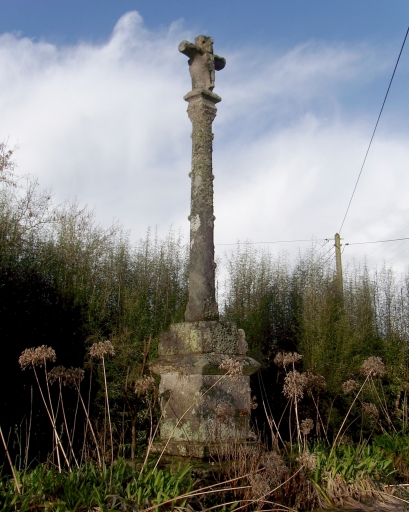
(202, 62)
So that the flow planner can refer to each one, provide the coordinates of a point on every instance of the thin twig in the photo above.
(11, 465)
(107, 406)
(205, 490)
(29, 428)
(334, 444)
(90, 426)
(52, 422)
(66, 424)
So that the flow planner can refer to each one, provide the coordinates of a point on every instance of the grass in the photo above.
(361, 475)
(117, 487)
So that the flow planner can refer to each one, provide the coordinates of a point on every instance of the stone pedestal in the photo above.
(202, 408)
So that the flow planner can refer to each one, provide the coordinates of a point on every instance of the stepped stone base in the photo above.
(197, 450)
(201, 407)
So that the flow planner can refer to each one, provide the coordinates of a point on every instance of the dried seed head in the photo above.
(73, 377)
(36, 356)
(144, 384)
(102, 349)
(306, 426)
(286, 358)
(232, 367)
(278, 360)
(308, 460)
(349, 385)
(260, 488)
(253, 402)
(224, 411)
(370, 411)
(58, 372)
(275, 468)
(315, 382)
(373, 366)
(294, 385)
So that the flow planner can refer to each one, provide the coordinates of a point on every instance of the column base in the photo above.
(202, 408)
(199, 450)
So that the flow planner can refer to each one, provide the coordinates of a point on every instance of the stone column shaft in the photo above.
(202, 303)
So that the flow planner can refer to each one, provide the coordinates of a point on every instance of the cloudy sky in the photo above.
(92, 94)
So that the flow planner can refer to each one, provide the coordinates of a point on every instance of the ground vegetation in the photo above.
(82, 309)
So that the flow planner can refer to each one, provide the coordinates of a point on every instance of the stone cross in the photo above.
(202, 62)
(203, 410)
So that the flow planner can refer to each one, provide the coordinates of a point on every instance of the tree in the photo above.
(7, 165)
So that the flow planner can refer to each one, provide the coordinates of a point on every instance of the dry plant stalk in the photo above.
(11, 464)
(99, 350)
(66, 377)
(38, 356)
(294, 385)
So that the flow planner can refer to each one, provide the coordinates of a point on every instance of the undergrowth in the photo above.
(332, 392)
(117, 487)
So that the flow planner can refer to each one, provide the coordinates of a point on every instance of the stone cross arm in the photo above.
(202, 62)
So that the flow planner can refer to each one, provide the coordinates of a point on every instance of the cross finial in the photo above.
(202, 62)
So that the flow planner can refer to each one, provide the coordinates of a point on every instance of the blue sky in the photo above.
(231, 22)
(91, 91)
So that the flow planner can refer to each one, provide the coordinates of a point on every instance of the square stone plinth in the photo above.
(203, 337)
(204, 410)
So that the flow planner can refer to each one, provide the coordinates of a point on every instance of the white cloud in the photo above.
(107, 124)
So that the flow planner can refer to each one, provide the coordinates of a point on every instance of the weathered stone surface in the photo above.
(202, 62)
(198, 449)
(202, 410)
(202, 303)
(200, 364)
(203, 337)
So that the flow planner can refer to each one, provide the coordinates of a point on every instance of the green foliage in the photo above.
(261, 297)
(120, 487)
(352, 462)
(67, 282)
(300, 307)
(396, 446)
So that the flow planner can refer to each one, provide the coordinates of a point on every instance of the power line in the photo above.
(280, 241)
(318, 260)
(377, 241)
(376, 125)
(398, 254)
(325, 253)
(381, 248)
(327, 260)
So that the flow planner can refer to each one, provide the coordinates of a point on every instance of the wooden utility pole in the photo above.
(338, 261)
